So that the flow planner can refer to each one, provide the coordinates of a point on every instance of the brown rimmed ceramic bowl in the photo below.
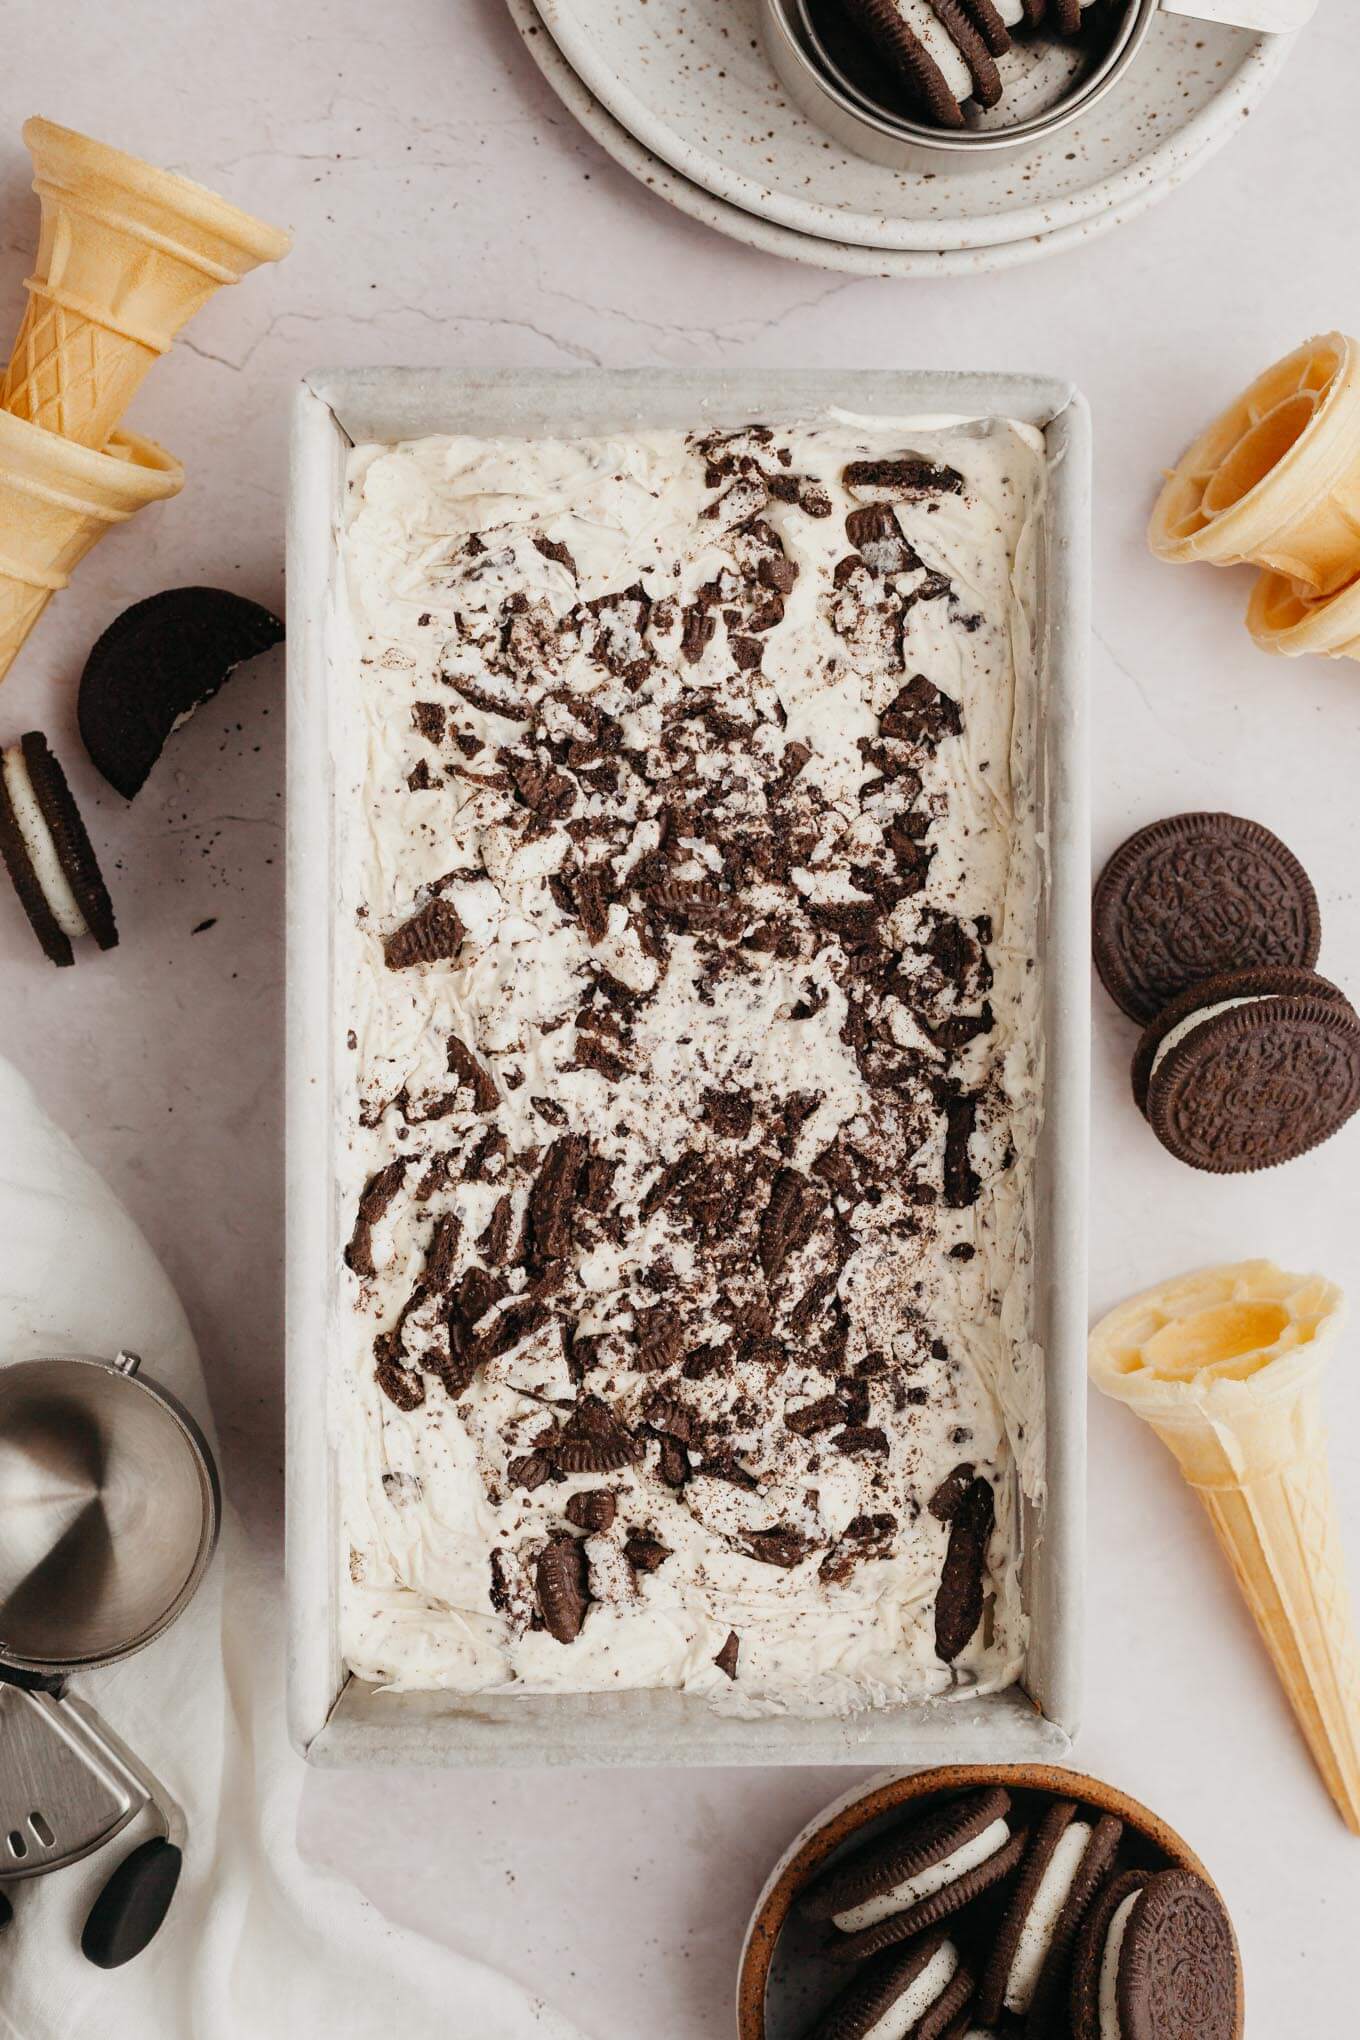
(766, 2013)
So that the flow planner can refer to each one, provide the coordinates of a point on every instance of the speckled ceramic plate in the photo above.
(810, 249)
(690, 80)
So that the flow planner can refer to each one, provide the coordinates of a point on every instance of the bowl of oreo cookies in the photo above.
(985, 1903)
(900, 81)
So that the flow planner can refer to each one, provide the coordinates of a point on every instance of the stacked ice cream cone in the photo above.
(127, 254)
(1226, 1366)
(1275, 481)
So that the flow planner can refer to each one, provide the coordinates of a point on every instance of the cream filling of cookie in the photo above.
(926, 1882)
(1187, 1026)
(925, 1990)
(617, 720)
(38, 843)
(1045, 1910)
(1110, 2024)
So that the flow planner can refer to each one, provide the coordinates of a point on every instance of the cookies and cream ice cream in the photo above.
(688, 1022)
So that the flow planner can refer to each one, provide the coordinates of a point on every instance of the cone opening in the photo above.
(1241, 449)
(107, 486)
(70, 162)
(1222, 1338)
(1279, 605)
(1259, 452)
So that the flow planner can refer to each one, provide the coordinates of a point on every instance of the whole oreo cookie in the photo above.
(1068, 1861)
(48, 853)
(1157, 1961)
(887, 29)
(915, 1993)
(1193, 896)
(960, 19)
(989, 24)
(1247, 1079)
(1088, 1957)
(1278, 981)
(917, 1876)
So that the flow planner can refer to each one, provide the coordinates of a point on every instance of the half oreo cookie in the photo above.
(1250, 1069)
(916, 1877)
(915, 1993)
(1027, 1975)
(48, 853)
(1193, 896)
(1156, 1960)
(157, 663)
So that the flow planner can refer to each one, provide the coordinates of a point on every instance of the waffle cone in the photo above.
(58, 500)
(1283, 616)
(1227, 1367)
(126, 255)
(1276, 479)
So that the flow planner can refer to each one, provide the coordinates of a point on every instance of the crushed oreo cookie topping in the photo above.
(689, 898)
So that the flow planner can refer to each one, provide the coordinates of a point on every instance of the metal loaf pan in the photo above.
(337, 1719)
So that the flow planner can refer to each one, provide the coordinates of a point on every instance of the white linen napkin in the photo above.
(257, 1944)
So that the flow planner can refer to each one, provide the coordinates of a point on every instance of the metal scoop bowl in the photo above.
(109, 1514)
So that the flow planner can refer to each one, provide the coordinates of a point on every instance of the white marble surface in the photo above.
(446, 210)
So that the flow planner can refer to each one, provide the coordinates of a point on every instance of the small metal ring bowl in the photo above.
(821, 88)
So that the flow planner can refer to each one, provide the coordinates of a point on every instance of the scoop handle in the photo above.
(128, 1912)
(1267, 17)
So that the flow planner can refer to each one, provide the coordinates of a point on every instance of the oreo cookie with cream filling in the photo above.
(914, 1993)
(917, 1875)
(990, 22)
(1229, 987)
(1066, 1865)
(960, 19)
(1250, 1069)
(48, 853)
(1156, 1960)
(910, 35)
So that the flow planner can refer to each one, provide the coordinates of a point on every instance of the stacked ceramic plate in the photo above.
(688, 95)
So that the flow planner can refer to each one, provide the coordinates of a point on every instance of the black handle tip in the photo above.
(6, 1910)
(128, 1911)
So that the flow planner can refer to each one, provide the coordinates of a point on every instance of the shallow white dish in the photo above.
(691, 81)
(338, 1719)
(842, 256)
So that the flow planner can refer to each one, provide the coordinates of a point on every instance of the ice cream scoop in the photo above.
(1226, 1365)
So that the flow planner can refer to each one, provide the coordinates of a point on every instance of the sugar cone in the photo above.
(1283, 616)
(1276, 479)
(126, 255)
(1226, 1366)
(58, 500)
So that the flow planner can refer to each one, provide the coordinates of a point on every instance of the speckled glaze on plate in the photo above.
(841, 256)
(780, 1991)
(691, 81)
